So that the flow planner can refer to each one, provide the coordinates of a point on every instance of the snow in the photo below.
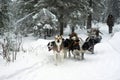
(46, 14)
(115, 42)
(26, 16)
(39, 24)
(47, 26)
(37, 63)
(13, 0)
(35, 16)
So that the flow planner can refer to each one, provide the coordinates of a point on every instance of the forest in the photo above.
(46, 17)
(35, 33)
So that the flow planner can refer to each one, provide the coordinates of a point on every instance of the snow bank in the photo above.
(115, 41)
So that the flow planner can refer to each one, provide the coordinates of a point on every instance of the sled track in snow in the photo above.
(31, 69)
(25, 71)
(103, 65)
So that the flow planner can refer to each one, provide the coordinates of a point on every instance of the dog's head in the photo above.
(73, 36)
(58, 39)
(50, 45)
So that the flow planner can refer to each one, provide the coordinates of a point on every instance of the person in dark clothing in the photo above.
(110, 23)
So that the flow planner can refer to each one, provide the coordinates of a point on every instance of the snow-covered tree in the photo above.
(76, 18)
(113, 7)
(25, 11)
(42, 18)
(63, 9)
(96, 11)
(4, 19)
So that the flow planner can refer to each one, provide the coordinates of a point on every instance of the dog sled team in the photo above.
(73, 45)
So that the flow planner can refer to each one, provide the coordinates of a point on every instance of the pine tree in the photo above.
(63, 8)
(4, 19)
(96, 11)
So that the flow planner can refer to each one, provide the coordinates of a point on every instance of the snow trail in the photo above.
(37, 62)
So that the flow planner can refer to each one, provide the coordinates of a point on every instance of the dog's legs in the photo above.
(73, 53)
(78, 55)
(69, 54)
(65, 53)
(74, 56)
(92, 49)
(55, 58)
(55, 55)
(61, 56)
(82, 55)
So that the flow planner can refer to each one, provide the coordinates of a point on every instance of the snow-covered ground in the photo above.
(37, 63)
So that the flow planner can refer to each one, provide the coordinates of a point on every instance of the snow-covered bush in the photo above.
(10, 46)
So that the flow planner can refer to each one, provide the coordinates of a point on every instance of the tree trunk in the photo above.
(89, 20)
(73, 28)
(61, 24)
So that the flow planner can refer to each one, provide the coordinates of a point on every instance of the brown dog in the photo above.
(58, 49)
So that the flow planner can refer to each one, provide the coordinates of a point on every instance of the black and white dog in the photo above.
(92, 39)
(90, 42)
